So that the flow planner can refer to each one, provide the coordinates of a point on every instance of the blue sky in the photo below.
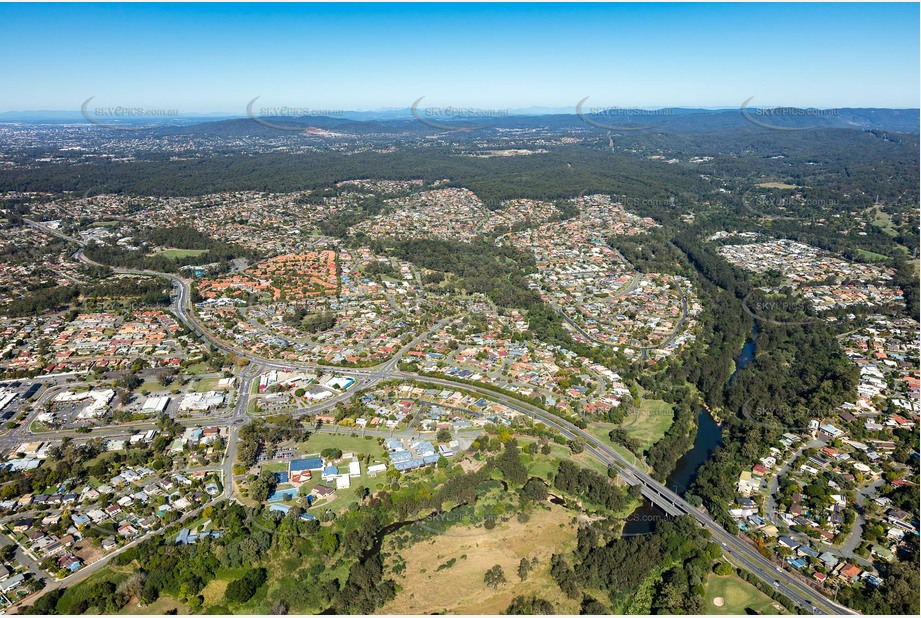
(217, 57)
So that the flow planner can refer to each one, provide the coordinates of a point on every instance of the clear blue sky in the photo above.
(217, 57)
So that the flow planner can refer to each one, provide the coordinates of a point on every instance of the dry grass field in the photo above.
(459, 589)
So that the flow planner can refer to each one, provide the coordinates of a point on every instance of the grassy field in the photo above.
(76, 594)
(737, 595)
(870, 255)
(180, 253)
(213, 593)
(104, 456)
(344, 497)
(37, 427)
(197, 369)
(206, 384)
(776, 185)
(278, 466)
(601, 430)
(883, 221)
(459, 589)
(152, 386)
(589, 461)
(651, 422)
(348, 444)
(158, 607)
(542, 465)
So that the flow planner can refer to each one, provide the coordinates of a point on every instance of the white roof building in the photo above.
(201, 401)
(97, 407)
(155, 404)
(376, 469)
(5, 398)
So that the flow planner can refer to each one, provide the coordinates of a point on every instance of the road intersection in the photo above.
(737, 549)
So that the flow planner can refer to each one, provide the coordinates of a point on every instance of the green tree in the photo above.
(494, 577)
(524, 567)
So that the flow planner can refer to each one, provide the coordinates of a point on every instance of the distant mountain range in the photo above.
(666, 120)
(404, 113)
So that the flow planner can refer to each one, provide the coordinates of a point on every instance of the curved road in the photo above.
(737, 549)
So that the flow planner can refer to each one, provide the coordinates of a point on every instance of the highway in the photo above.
(736, 548)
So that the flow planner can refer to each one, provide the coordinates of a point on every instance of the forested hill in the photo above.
(880, 163)
(563, 173)
(672, 120)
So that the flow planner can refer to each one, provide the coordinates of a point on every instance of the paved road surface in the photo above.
(742, 553)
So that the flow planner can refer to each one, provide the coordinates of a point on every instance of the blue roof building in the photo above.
(415, 462)
(799, 563)
(423, 447)
(311, 463)
(410, 464)
(788, 542)
(805, 550)
(400, 457)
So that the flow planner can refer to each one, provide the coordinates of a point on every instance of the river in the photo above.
(746, 356)
(709, 436)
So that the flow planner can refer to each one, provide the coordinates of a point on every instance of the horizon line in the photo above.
(519, 110)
